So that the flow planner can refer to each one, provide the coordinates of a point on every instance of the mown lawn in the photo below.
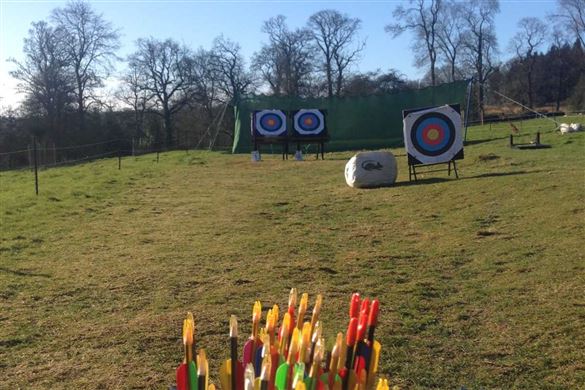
(481, 279)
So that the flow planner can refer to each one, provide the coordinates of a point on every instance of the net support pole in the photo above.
(36, 165)
(467, 109)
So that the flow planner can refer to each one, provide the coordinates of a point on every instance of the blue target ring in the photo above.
(309, 121)
(271, 122)
(433, 134)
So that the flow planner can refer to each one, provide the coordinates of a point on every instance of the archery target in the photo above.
(433, 135)
(269, 123)
(309, 122)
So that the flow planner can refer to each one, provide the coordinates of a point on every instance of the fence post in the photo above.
(36, 165)
(30, 157)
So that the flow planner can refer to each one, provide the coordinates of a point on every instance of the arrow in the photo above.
(372, 323)
(332, 376)
(350, 339)
(362, 349)
(186, 372)
(382, 384)
(316, 311)
(283, 338)
(285, 370)
(202, 370)
(302, 310)
(250, 346)
(354, 305)
(304, 353)
(249, 377)
(318, 351)
(292, 302)
(233, 350)
(266, 371)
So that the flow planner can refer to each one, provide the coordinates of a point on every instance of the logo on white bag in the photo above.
(371, 165)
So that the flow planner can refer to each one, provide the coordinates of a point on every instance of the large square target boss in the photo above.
(433, 135)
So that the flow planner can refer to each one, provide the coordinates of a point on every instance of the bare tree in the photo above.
(570, 16)
(44, 74)
(91, 43)
(376, 82)
(481, 43)
(168, 70)
(228, 62)
(450, 36)
(285, 63)
(532, 34)
(133, 94)
(423, 22)
(335, 35)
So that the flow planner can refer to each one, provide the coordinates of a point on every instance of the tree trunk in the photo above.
(329, 79)
(168, 127)
(480, 97)
(529, 77)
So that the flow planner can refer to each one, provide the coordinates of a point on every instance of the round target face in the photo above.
(270, 123)
(433, 135)
(309, 122)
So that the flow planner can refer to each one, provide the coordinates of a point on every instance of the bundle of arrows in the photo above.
(292, 356)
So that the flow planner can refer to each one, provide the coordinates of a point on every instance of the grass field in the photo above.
(481, 279)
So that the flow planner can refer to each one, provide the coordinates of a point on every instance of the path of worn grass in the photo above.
(481, 279)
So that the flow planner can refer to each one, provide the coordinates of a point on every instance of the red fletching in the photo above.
(351, 332)
(182, 377)
(362, 326)
(365, 308)
(375, 307)
(354, 306)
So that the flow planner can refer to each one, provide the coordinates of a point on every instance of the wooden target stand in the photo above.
(283, 141)
(319, 141)
(532, 145)
(413, 163)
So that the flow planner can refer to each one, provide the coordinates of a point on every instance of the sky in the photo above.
(197, 22)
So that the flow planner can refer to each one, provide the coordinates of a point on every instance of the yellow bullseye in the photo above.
(433, 134)
(271, 122)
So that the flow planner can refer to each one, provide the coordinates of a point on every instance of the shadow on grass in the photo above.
(499, 174)
(23, 273)
(481, 141)
(435, 180)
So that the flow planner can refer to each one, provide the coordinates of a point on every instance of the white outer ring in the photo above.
(455, 118)
(266, 133)
(319, 128)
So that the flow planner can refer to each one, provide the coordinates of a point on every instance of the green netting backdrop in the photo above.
(365, 122)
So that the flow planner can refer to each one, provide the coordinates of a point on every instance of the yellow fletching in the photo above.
(292, 297)
(257, 312)
(304, 302)
(382, 384)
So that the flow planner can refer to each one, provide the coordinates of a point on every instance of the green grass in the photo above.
(481, 279)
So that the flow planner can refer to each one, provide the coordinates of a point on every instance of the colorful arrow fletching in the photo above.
(374, 309)
(351, 334)
(233, 326)
(354, 305)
